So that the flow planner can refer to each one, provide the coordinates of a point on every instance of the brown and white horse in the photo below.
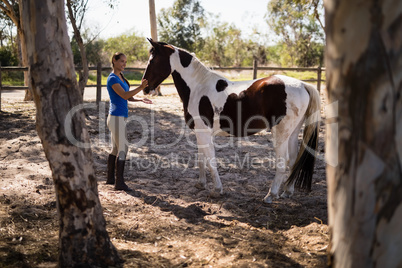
(213, 105)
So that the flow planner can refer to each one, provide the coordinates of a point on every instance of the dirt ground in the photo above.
(167, 221)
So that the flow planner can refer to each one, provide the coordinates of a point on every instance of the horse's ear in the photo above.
(154, 44)
(158, 46)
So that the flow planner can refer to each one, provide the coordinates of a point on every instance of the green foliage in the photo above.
(98, 50)
(134, 47)
(76, 52)
(8, 57)
(218, 44)
(301, 35)
(273, 54)
(224, 46)
(94, 49)
(133, 75)
(236, 47)
(7, 28)
(95, 52)
(181, 25)
(310, 53)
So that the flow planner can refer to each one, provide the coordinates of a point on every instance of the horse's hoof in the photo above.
(268, 199)
(215, 194)
(219, 190)
(286, 194)
(200, 186)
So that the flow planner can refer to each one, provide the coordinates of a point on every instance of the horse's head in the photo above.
(158, 68)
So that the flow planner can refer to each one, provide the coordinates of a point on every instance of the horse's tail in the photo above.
(302, 170)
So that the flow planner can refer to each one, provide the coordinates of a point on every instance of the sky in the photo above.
(133, 15)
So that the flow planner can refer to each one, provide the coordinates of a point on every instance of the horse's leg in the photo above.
(281, 151)
(201, 165)
(293, 149)
(207, 149)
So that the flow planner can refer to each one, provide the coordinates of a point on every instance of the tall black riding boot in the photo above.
(111, 169)
(120, 185)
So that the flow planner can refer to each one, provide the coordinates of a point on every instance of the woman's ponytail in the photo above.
(125, 79)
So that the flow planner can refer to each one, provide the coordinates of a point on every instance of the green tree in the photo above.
(299, 28)
(8, 56)
(224, 45)
(6, 29)
(95, 52)
(8, 47)
(76, 11)
(255, 51)
(181, 25)
(273, 54)
(235, 47)
(136, 48)
(214, 51)
(93, 49)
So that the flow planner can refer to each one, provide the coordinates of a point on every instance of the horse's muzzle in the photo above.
(149, 91)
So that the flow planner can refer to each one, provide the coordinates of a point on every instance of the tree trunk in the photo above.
(8, 9)
(24, 60)
(364, 84)
(83, 240)
(84, 74)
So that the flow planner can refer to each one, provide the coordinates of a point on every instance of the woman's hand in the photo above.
(144, 100)
(144, 83)
(147, 101)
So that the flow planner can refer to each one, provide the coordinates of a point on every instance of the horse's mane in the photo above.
(202, 72)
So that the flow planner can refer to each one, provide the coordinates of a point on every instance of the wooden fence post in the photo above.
(255, 68)
(319, 71)
(152, 17)
(98, 83)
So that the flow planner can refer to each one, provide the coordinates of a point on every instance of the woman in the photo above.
(119, 93)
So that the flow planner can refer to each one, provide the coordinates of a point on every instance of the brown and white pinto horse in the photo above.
(213, 105)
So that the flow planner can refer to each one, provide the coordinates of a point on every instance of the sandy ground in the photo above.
(166, 221)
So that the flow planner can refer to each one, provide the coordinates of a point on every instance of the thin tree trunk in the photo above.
(24, 60)
(9, 10)
(364, 137)
(83, 79)
(83, 240)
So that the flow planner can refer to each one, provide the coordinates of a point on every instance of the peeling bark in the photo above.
(83, 237)
(364, 75)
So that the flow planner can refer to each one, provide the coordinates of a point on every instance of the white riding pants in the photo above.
(117, 126)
